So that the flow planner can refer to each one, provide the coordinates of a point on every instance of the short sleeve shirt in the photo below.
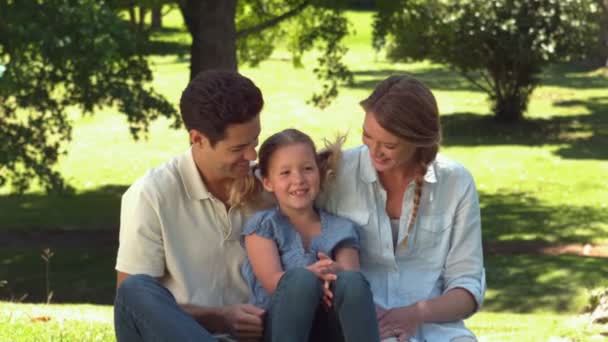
(171, 227)
(272, 224)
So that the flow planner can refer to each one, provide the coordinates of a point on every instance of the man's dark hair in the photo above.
(215, 99)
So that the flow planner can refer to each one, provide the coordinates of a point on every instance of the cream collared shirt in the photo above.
(172, 227)
(443, 249)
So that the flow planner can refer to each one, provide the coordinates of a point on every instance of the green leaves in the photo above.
(69, 53)
(505, 42)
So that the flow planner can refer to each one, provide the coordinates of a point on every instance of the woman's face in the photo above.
(387, 151)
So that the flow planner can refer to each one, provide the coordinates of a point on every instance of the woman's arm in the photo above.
(347, 258)
(403, 321)
(264, 257)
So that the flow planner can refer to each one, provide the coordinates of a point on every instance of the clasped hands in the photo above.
(326, 270)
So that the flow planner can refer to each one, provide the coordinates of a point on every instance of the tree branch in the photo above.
(272, 22)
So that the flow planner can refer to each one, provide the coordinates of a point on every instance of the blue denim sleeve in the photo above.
(260, 224)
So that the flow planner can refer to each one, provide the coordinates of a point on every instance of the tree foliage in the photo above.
(60, 54)
(251, 29)
(499, 45)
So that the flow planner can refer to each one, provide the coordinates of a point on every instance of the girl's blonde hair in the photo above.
(407, 108)
(248, 191)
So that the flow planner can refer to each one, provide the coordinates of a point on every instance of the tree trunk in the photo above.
(212, 26)
(132, 18)
(603, 38)
(157, 17)
(142, 18)
(510, 108)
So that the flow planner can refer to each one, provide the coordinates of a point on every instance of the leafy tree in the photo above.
(228, 32)
(59, 54)
(499, 45)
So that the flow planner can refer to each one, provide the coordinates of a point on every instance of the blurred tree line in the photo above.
(61, 53)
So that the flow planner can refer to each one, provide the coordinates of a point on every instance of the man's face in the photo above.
(230, 157)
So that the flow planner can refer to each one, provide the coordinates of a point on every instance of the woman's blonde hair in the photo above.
(407, 108)
(248, 191)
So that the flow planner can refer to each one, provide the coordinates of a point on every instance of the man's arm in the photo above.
(120, 277)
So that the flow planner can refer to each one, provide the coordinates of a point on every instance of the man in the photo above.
(179, 258)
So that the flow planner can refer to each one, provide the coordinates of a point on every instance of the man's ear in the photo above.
(198, 139)
(267, 185)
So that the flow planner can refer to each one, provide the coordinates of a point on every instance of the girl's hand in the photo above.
(333, 267)
(401, 322)
(326, 269)
(321, 270)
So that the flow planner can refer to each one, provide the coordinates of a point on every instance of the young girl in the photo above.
(300, 257)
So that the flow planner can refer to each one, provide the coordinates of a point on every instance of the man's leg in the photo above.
(354, 307)
(144, 310)
(293, 306)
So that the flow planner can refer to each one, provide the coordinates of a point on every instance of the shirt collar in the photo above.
(368, 174)
(191, 178)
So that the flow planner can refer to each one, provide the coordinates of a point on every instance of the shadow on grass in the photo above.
(166, 48)
(524, 283)
(76, 274)
(436, 78)
(583, 136)
(571, 76)
(96, 209)
(519, 216)
(516, 283)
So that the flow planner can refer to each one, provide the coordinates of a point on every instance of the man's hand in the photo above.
(244, 321)
(401, 322)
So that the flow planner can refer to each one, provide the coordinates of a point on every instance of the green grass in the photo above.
(22, 322)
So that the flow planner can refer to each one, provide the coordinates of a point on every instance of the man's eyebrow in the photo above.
(243, 144)
(239, 146)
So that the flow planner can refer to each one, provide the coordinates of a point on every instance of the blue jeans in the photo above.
(144, 310)
(295, 312)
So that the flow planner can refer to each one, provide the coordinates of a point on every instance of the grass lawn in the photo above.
(544, 179)
(27, 322)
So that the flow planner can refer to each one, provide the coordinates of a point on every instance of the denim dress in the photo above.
(336, 232)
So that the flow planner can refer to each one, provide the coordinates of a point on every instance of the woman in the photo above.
(419, 212)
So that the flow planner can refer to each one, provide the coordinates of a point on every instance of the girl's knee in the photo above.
(301, 282)
(351, 284)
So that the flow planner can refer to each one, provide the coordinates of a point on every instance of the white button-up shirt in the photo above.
(443, 250)
(172, 227)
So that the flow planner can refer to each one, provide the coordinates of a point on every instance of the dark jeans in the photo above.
(295, 312)
(144, 310)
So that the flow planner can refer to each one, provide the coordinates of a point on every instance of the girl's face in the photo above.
(293, 177)
(386, 150)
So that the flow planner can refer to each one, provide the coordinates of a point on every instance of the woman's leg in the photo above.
(144, 310)
(354, 307)
(293, 306)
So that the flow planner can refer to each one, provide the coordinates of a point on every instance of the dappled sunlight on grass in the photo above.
(29, 322)
(532, 283)
(520, 216)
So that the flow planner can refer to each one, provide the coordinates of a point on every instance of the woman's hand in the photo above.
(401, 322)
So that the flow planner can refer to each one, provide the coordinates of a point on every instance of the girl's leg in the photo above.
(354, 308)
(293, 306)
